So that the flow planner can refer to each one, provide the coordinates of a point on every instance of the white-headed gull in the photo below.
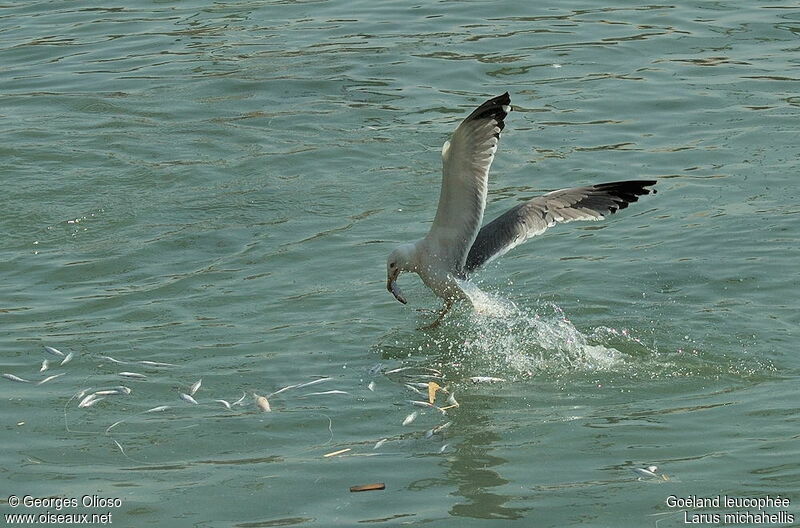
(456, 245)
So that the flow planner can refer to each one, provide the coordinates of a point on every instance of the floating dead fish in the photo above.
(111, 392)
(368, 487)
(399, 369)
(414, 389)
(50, 378)
(156, 364)
(82, 393)
(15, 378)
(225, 403)
(122, 389)
(375, 369)
(56, 352)
(485, 379)
(45, 364)
(418, 403)
(89, 400)
(195, 386)
(160, 408)
(117, 361)
(324, 393)
(67, 358)
(649, 471)
(262, 403)
(379, 443)
(240, 401)
(339, 452)
(299, 386)
(110, 427)
(188, 399)
(371, 386)
(410, 418)
(441, 449)
(132, 375)
(439, 428)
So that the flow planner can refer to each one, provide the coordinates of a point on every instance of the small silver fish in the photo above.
(414, 389)
(188, 399)
(89, 401)
(485, 379)
(108, 392)
(225, 403)
(156, 364)
(399, 369)
(110, 427)
(122, 389)
(649, 472)
(67, 358)
(324, 393)
(82, 393)
(56, 352)
(50, 378)
(195, 386)
(158, 409)
(375, 369)
(371, 386)
(441, 449)
(410, 418)
(15, 378)
(310, 383)
(262, 403)
(418, 403)
(240, 401)
(118, 362)
(379, 443)
(439, 428)
(45, 364)
(132, 375)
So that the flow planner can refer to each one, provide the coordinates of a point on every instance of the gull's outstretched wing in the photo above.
(532, 218)
(466, 159)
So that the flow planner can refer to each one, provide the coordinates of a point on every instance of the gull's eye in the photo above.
(391, 265)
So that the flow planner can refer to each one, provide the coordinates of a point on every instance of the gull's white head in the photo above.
(400, 260)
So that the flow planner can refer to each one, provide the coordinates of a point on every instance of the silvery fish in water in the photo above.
(158, 409)
(262, 403)
(132, 375)
(324, 393)
(410, 418)
(195, 386)
(118, 362)
(650, 471)
(240, 401)
(485, 379)
(223, 402)
(49, 378)
(375, 369)
(45, 364)
(418, 403)
(188, 399)
(68, 358)
(109, 392)
(413, 388)
(89, 401)
(54, 351)
(15, 378)
(156, 364)
(379, 443)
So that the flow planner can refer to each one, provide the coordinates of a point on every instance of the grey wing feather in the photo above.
(533, 217)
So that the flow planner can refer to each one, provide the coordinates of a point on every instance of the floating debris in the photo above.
(648, 472)
(339, 452)
(188, 399)
(160, 408)
(225, 403)
(485, 379)
(45, 364)
(15, 378)
(132, 375)
(67, 358)
(195, 386)
(371, 386)
(410, 418)
(379, 443)
(56, 352)
(262, 403)
(89, 400)
(451, 400)
(368, 487)
(50, 378)
(432, 388)
(156, 364)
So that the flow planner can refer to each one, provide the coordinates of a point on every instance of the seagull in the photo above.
(456, 245)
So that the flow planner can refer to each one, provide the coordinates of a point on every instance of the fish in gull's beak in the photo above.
(391, 285)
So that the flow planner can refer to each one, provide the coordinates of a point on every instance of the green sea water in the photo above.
(217, 185)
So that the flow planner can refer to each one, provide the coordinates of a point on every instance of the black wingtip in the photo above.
(496, 108)
(626, 192)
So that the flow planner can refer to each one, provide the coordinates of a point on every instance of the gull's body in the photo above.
(456, 245)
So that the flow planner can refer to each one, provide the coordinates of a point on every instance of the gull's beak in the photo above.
(391, 285)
